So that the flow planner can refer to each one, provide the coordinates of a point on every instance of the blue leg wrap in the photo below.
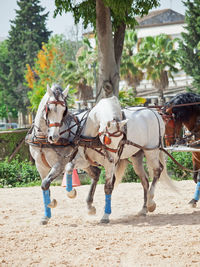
(197, 192)
(108, 204)
(69, 182)
(46, 200)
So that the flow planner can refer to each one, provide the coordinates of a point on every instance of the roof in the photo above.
(160, 17)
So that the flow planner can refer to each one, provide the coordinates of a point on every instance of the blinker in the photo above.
(107, 140)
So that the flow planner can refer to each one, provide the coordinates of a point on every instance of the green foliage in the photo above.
(175, 172)
(18, 173)
(130, 175)
(102, 177)
(23, 173)
(6, 108)
(158, 57)
(128, 70)
(28, 31)
(127, 98)
(155, 55)
(189, 58)
(82, 70)
(49, 65)
(121, 11)
(9, 142)
(185, 159)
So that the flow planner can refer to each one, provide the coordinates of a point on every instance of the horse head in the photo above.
(170, 135)
(112, 133)
(54, 111)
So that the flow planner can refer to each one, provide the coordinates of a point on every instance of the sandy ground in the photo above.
(168, 237)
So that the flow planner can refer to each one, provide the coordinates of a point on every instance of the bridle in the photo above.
(107, 135)
(170, 122)
(55, 102)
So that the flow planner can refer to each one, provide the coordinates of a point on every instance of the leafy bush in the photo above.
(130, 175)
(18, 173)
(23, 173)
(185, 159)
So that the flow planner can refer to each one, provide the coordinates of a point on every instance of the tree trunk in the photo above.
(161, 99)
(109, 54)
(119, 43)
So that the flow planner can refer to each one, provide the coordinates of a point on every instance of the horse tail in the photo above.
(164, 177)
(119, 171)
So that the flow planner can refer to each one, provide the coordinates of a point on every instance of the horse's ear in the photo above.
(49, 90)
(169, 110)
(65, 92)
(108, 124)
(122, 123)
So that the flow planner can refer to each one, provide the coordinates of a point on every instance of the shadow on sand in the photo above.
(159, 219)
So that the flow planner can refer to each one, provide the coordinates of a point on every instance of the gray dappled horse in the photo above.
(52, 150)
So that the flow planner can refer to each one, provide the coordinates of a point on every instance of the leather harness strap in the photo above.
(56, 124)
(57, 102)
(44, 159)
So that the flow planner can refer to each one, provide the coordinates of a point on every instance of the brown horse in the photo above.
(178, 114)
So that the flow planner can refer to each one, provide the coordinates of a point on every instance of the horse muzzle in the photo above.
(53, 138)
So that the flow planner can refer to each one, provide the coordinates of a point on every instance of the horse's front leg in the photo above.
(196, 165)
(71, 192)
(194, 201)
(108, 188)
(94, 173)
(48, 204)
(55, 171)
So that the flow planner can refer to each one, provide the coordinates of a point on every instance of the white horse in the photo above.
(50, 150)
(145, 132)
(49, 159)
(46, 155)
(104, 120)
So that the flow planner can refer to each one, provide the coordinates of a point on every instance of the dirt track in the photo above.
(168, 237)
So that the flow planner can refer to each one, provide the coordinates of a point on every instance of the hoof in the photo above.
(44, 220)
(193, 203)
(142, 213)
(72, 194)
(53, 204)
(105, 218)
(152, 207)
(92, 211)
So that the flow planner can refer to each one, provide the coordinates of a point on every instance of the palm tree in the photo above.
(80, 73)
(128, 70)
(158, 57)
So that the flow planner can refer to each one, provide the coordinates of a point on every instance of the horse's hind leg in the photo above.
(94, 173)
(154, 165)
(137, 161)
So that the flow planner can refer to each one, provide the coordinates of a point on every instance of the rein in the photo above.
(175, 161)
(174, 106)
